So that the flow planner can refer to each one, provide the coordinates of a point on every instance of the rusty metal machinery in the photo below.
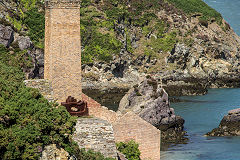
(76, 108)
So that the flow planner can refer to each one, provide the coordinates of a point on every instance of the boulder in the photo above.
(6, 35)
(229, 126)
(24, 42)
(52, 152)
(150, 102)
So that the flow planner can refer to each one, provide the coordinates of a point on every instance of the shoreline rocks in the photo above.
(150, 102)
(229, 125)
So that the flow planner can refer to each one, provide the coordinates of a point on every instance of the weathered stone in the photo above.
(132, 127)
(121, 156)
(96, 134)
(6, 35)
(52, 152)
(150, 102)
(229, 126)
(44, 86)
(63, 48)
(24, 42)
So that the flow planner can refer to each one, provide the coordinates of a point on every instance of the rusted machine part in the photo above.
(76, 108)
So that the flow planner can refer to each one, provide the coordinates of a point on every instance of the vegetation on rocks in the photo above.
(129, 149)
(28, 15)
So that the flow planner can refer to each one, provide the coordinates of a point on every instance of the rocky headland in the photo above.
(150, 101)
(201, 54)
(229, 125)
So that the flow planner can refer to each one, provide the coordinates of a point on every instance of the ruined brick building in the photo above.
(62, 69)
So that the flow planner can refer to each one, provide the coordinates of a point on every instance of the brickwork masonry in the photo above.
(129, 127)
(125, 127)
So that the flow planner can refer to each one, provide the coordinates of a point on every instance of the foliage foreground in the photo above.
(28, 122)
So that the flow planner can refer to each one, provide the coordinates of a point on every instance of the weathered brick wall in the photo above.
(62, 64)
(96, 134)
(131, 126)
(96, 110)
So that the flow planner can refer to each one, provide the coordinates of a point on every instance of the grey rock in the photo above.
(150, 102)
(6, 35)
(229, 125)
(121, 156)
(24, 42)
(52, 152)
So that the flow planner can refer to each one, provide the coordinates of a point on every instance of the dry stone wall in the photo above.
(62, 64)
(96, 134)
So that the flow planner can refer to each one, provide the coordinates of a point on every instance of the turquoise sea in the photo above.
(229, 10)
(203, 113)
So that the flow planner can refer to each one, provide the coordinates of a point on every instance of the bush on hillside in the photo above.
(129, 149)
(28, 122)
(35, 22)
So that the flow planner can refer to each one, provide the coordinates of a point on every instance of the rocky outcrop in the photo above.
(229, 126)
(6, 35)
(52, 152)
(150, 101)
(14, 41)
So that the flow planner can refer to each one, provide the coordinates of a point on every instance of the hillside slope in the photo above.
(187, 47)
(183, 43)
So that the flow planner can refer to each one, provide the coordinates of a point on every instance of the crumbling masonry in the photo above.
(62, 74)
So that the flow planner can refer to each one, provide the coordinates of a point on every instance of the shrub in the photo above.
(129, 149)
(35, 21)
(28, 122)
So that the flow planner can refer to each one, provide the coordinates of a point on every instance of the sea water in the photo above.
(230, 10)
(202, 114)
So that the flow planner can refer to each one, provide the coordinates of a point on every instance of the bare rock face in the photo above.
(229, 126)
(151, 103)
(6, 35)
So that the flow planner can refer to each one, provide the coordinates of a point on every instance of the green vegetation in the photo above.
(198, 6)
(129, 149)
(35, 22)
(90, 155)
(161, 42)
(28, 122)
(98, 45)
(29, 15)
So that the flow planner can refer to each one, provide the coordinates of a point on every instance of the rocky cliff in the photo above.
(188, 51)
